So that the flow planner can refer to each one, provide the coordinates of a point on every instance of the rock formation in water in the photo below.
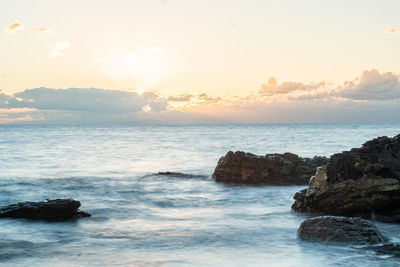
(50, 209)
(388, 249)
(363, 182)
(181, 175)
(334, 229)
(275, 169)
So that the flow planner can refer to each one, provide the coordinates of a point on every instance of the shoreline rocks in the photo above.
(180, 175)
(335, 229)
(363, 182)
(274, 169)
(48, 210)
(389, 248)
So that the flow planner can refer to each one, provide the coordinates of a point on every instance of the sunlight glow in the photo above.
(146, 108)
(193, 100)
(143, 68)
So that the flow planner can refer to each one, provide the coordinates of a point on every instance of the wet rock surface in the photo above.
(336, 229)
(275, 169)
(388, 249)
(181, 175)
(49, 210)
(363, 182)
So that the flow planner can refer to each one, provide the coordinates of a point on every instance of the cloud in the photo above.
(3, 99)
(272, 87)
(43, 30)
(88, 105)
(158, 105)
(12, 115)
(180, 98)
(85, 99)
(82, 105)
(372, 85)
(332, 111)
(146, 108)
(187, 100)
(14, 27)
(372, 97)
(392, 30)
(58, 48)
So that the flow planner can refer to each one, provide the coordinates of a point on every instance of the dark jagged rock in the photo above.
(363, 182)
(50, 209)
(181, 175)
(334, 229)
(392, 249)
(276, 169)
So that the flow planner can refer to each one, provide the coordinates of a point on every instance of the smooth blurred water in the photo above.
(148, 220)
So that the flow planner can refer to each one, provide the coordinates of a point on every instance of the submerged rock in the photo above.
(390, 248)
(277, 169)
(334, 229)
(181, 175)
(363, 182)
(50, 209)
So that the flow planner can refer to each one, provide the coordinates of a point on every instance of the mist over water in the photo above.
(141, 219)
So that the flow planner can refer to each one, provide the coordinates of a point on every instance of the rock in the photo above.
(181, 175)
(276, 169)
(390, 248)
(50, 209)
(363, 182)
(335, 229)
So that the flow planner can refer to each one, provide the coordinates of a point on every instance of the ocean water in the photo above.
(141, 219)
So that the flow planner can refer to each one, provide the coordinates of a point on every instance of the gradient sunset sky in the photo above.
(200, 61)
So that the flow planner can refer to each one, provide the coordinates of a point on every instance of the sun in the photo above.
(145, 68)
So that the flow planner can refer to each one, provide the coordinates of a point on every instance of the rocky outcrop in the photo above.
(50, 209)
(363, 182)
(335, 229)
(388, 249)
(181, 175)
(274, 169)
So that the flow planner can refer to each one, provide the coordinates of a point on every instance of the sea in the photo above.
(140, 218)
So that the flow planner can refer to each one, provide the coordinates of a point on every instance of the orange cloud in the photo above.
(184, 101)
(25, 118)
(14, 27)
(6, 111)
(43, 30)
(392, 30)
(12, 115)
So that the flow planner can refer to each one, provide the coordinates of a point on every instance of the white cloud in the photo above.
(372, 85)
(58, 48)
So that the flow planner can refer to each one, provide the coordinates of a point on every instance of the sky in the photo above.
(173, 61)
